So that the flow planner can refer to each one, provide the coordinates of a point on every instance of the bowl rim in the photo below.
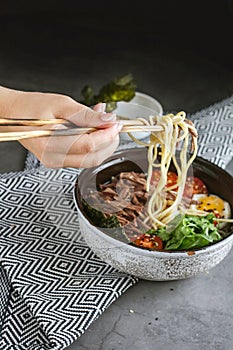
(134, 104)
(148, 97)
(161, 253)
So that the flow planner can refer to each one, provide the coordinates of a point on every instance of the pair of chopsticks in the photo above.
(129, 125)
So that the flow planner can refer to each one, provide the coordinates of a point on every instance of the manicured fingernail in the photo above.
(106, 117)
(102, 107)
(118, 126)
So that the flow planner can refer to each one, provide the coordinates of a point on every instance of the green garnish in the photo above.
(120, 89)
(98, 218)
(191, 232)
(108, 224)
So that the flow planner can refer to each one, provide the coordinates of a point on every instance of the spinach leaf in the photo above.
(192, 232)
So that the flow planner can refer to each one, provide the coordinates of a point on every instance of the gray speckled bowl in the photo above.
(147, 264)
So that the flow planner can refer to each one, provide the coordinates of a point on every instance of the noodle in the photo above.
(177, 131)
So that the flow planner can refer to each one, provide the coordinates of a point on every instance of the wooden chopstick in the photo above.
(129, 125)
(32, 122)
(20, 135)
(47, 121)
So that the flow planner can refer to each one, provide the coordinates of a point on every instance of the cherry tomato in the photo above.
(218, 216)
(194, 185)
(171, 178)
(149, 241)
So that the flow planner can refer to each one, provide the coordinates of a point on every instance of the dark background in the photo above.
(180, 52)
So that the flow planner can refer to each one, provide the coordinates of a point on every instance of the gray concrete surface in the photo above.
(180, 54)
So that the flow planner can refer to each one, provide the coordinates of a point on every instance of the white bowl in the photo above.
(147, 264)
(141, 105)
(148, 101)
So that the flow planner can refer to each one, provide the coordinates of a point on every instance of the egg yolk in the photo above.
(211, 203)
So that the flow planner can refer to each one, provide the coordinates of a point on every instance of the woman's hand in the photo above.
(82, 151)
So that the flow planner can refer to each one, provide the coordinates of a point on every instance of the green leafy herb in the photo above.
(191, 232)
(120, 89)
(98, 218)
(108, 224)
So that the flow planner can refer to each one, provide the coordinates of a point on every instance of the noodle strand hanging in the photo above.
(178, 133)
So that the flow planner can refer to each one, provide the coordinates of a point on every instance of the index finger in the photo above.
(89, 117)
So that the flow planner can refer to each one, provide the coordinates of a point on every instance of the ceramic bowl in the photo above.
(143, 99)
(141, 105)
(147, 264)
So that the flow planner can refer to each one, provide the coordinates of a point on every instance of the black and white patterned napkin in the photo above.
(52, 287)
(215, 132)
